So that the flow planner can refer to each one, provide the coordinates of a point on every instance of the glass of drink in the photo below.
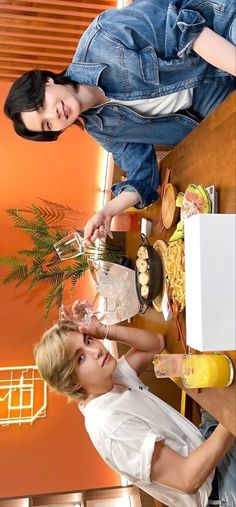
(70, 246)
(196, 370)
(168, 365)
(207, 370)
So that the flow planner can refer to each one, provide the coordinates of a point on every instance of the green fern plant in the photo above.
(45, 225)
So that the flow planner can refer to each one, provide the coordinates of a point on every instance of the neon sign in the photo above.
(23, 395)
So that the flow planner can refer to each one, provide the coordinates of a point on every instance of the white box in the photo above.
(210, 282)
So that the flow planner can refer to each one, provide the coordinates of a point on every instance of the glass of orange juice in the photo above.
(196, 370)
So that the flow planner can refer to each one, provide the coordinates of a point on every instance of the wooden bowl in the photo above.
(169, 211)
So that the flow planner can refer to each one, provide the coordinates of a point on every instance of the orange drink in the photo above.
(196, 370)
(206, 370)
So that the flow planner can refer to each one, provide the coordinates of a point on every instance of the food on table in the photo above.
(144, 278)
(175, 272)
(144, 291)
(148, 272)
(194, 200)
(142, 252)
(142, 265)
(179, 232)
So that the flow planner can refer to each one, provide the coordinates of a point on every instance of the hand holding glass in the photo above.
(195, 370)
(73, 245)
(70, 246)
(81, 312)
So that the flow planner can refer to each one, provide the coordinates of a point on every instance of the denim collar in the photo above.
(85, 73)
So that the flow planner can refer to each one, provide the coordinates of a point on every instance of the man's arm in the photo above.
(216, 50)
(189, 473)
(144, 344)
(98, 225)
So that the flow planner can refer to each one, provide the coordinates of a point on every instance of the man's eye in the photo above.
(81, 358)
(89, 340)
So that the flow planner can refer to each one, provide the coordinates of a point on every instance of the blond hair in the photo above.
(55, 359)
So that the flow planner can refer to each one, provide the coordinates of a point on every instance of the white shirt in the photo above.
(124, 427)
(167, 104)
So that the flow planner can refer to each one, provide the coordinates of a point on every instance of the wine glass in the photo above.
(70, 246)
(81, 312)
(73, 245)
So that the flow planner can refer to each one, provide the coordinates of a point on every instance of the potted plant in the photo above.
(45, 224)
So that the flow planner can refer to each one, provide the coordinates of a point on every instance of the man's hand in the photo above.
(95, 328)
(97, 226)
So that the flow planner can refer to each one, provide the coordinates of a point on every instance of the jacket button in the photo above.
(115, 108)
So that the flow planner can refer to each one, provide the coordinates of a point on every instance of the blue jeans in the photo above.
(226, 470)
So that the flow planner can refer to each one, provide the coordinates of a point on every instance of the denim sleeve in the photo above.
(169, 27)
(140, 164)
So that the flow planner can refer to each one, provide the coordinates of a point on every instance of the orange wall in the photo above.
(54, 454)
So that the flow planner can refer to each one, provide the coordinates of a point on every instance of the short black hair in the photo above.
(27, 94)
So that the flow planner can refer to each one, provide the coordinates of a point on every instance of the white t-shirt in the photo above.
(167, 104)
(124, 427)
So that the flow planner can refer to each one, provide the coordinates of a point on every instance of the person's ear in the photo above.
(49, 81)
(78, 388)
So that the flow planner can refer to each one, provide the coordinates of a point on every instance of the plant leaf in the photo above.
(54, 276)
(12, 261)
(60, 215)
(56, 293)
(17, 273)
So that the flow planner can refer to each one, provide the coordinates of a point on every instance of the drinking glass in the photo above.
(81, 312)
(196, 370)
(70, 246)
(168, 365)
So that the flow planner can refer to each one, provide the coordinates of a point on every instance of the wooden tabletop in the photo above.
(205, 156)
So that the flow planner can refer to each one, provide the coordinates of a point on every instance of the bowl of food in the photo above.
(169, 211)
(148, 272)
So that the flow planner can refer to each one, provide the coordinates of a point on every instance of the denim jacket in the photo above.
(144, 51)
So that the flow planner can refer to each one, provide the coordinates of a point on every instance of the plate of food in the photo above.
(175, 273)
(148, 272)
(196, 199)
(161, 247)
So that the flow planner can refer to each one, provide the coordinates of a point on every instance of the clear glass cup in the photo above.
(70, 246)
(81, 312)
(168, 365)
(196, 370)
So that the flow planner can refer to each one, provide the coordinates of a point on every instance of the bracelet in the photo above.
(107, 331)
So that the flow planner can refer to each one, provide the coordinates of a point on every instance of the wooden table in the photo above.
(205, 156)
